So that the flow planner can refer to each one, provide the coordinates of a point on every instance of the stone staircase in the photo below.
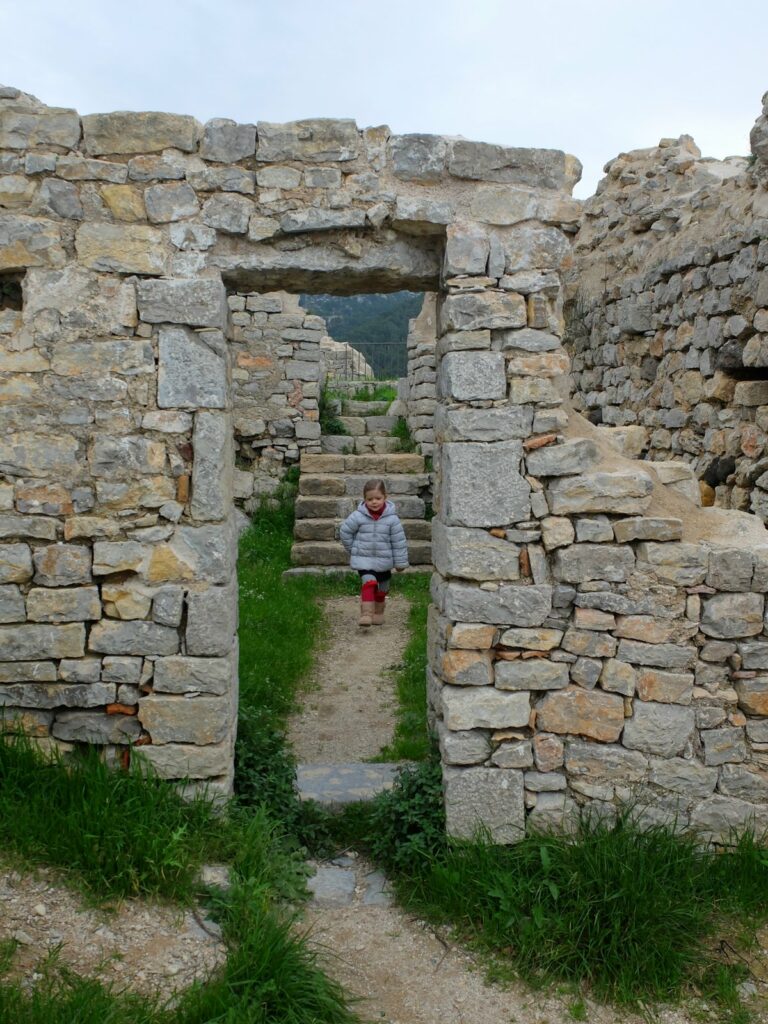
(369, 430)
(331, 486)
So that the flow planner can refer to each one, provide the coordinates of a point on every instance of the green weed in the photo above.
(328, 415)
(374, 392)
(402, 431)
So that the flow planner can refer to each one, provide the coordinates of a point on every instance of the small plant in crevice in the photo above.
(402, 432)
(375, 392)
(328, 413)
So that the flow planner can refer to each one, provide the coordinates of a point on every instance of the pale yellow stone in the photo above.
(124, 202)
(16, 190)
(90, 526)
(165, 565)
(18, 389)
(600, 716)
(121, 602)
(539, 364)
(29, 361)
(472, 636)
(122, 248)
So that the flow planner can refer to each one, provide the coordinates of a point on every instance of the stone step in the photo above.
(311, 506)
(331, 485)
(370, 465)
(343, 570)
(371, 426)
(345, 444)
(333, 785)
(351, 407)
(328, 529)
(322, 552)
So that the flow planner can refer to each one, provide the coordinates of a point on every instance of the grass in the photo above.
(402, 432)
(327, 415)
(375, 393)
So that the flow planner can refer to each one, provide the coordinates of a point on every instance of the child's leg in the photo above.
(380, 596)
(367, 598)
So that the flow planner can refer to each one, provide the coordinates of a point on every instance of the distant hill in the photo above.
(376, 325)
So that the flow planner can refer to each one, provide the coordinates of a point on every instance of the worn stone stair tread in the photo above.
(395, 462)
(341, 570)
(338, 784)
(324, 552)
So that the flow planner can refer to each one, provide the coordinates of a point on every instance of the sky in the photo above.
(592, 77)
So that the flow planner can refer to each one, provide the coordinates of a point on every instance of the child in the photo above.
(374, 538)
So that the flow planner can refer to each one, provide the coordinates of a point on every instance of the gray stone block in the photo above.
(722, 746)
(500, 424)
(74, 604)
(51, 695)
(11, 604)
(211, 621)
(533, 674)
(473, 554)
(213, 466)
(227, 141)
(95, 727)
(15, 563)
(484, 708)
(564, 459)
(484, 798)
(581, 563)
(626, 493)
(470, 376)
(482, 485)
(194, 675)
(108, 637)
(510, 605)
(196, 302)
(28, 642)
(685, 776)
(663, 729)
(732, 615)
(191, 373)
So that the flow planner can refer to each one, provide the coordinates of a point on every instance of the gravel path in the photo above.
(349, 709)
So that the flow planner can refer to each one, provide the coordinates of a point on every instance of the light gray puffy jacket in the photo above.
(376, 544)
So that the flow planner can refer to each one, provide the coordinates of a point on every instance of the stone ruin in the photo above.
(594, 635)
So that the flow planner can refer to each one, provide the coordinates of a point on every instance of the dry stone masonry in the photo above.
(594, 637)
(668, 319)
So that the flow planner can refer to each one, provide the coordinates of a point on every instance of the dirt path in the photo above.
(349, 711)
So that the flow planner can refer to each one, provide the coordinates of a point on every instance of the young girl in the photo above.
(374, 538)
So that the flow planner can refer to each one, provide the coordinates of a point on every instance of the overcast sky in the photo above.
(593, 77)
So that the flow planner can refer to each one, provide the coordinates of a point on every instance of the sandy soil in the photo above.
(348, 712)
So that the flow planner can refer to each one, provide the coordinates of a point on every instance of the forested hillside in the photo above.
(376, 325)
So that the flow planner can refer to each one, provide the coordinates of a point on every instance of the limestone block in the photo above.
(46, 126)
(732, 615)
(565, 459)
(588, 643)
(466, 250)
(751, 393)
(62, 565)
(125, 601)
(139, 132)
(681, 775)
(417, 157)
(29, 642)
(730, 569)
(473, 554)
(192, 374)
(534, 342)
(512, 605)
(753, 695)
(662, 729)
(29, 242)
(468, 376)
(319, 219)
(212, 469)
(744, 783)
(228, 213)
(487, 798)
(84, 301)
(467, 668)
(121, 669)
(117, 556)
(227, 141)
(314, 140)
(500, 424)
(654, 631)
(167, 422)
(536, 674)
(282, 177)
(754, 654)
(35, 527)
(211, 621)
(11, 604)
(124, 457)
(29, 723)
(517, 754)
(168, 606)
(580, 563)
(209, 553)
(618, 677)
(470, 746)
(194, 675)
(627, 493)
(676, 562)
(129, 357)
(28, 671)
(672, 656)
(541, 168)
(226, 179)
(482, 485)
(75, 168)
(16, 190)
(599, 762)
(133, 637)
(421, 216)
(95, 727)
(531, 639)
(200, 720)
(724, 745)
(578, 712)
(482, 707)
(528, 247)
(556, 532)
(475, 311)
(197, 302)
(57, 695)
(121, 248)
(261, 228)
(647, 528)
(191, 236)
(719, 817)
(75, 604)
(665, 687)
(183, 761)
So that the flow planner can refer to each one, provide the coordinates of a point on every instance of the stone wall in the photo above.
(668, 319)
(276, 370)
(418, 390)
(591, 633)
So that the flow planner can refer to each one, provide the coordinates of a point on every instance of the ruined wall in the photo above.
(592, 632)
(276, 375)
(668, 320)
(418, 390)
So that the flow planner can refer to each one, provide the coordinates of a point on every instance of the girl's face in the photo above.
(375, 500)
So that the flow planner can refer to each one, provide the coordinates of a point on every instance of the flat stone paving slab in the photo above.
(342, 570)
(348, 880)
(338, 784)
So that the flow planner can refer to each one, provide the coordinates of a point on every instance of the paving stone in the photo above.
(339, 784)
